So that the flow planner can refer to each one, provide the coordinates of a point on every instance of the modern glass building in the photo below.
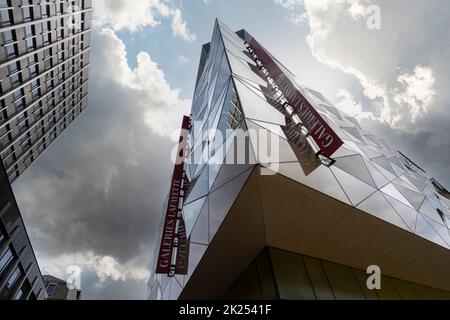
(44, 60)
(284, 196)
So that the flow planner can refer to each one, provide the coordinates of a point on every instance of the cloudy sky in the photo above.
(94, 198)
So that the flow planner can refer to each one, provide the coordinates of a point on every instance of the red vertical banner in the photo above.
(324, 136)
(182, 261)
(165, 257)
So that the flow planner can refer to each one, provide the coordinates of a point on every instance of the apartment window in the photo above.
(35, 94)
(22, 127)
(49, 84)
(33, 70)
(5, 260)
(11, 173)
(37, 106)
(51, 289)
(21, 117)
(14, 79)
(32, 59)
(37, 115)
(20, 295)
(13, 67)
(46, 38)
(45, 9)
(18, 104)
(49, 76)
(29, 43)
(10, 50)
(14, 277)
(2, 104)
(8, 36)
(17, 94)
(5, 17)
(27, 13)
(29, 31)
(34, 84)
(50, 98)
(7, 153)
(45, 27)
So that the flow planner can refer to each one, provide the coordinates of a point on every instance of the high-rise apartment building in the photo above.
(284, 196)
(20, 276)
(44, 60)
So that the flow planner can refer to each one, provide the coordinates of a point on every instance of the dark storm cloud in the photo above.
(98, 190)
(98, 187)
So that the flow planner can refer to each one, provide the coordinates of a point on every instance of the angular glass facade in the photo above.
(236, 114)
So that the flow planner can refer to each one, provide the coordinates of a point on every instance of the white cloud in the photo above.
(162, 106)
(123, 15)
(348, 104)
(179, 26)
(139, 14)
(105, 267)
(357, 10)
(296, 15)
(340, 38)
(183, 60)
(418, 91)
(289, 4)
